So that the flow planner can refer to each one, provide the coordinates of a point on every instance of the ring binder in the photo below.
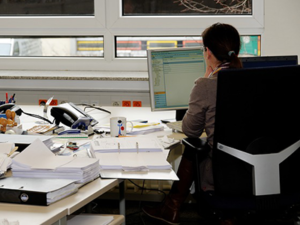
(35, 191)
(128, 144)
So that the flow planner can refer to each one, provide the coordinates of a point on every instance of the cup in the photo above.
(118, 126)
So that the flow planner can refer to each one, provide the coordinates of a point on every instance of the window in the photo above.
(186, 7)
(136, 47)
(42, 8)
(51, 46)
(94, 28)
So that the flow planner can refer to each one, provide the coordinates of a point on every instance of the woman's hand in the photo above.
(209, 70)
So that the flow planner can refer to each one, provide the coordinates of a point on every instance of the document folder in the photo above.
(128, 144)
(35, 191)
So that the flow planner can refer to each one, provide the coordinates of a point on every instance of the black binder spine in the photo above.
(23, 197)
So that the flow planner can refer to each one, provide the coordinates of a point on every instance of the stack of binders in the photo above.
(37, 161)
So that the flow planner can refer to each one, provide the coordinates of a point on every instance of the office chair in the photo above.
(256, 150)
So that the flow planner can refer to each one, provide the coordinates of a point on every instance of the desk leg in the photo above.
(62, 221)
(122, 199)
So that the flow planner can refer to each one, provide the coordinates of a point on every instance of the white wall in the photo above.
(282, 28)
(281, 37)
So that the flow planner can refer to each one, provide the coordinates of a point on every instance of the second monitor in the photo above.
(173, 71)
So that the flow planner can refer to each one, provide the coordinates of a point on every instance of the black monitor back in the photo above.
(256, 104)
(269, 61)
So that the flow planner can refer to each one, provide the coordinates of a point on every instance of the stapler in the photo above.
(83, 123)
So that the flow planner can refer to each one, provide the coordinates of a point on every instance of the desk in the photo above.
(56, 212)
(33, 215)
(94, 189)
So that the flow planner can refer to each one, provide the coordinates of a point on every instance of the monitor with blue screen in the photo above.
(172, 74)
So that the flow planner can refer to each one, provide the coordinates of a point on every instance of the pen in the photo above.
(12, 98)
(145, 125)
(6, 97)
(137, 147)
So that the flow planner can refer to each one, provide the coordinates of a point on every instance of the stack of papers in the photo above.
(7, 151)
(25, 140)
(167, 142)
(132, 161)
(126, 144)
(36, 161)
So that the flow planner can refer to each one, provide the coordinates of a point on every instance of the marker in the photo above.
(12, 98)
(6, 98)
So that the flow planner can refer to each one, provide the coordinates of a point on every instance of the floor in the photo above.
(135, 215)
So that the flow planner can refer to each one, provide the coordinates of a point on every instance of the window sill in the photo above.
(87, 81)
(74, 75)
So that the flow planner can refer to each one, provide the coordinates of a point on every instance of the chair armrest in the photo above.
(195, 143)
(199, 146)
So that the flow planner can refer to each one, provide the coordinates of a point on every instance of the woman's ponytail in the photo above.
(234, 61)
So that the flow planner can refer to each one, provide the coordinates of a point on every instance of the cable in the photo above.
(36, 116)
(143, 188)
(94, 107)
(150, 189)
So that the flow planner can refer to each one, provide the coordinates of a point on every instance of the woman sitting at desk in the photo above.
(221, 43)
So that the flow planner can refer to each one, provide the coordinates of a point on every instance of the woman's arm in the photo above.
(193, 122)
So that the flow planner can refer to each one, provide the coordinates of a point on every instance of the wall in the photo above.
(280, 37)
(282, 33)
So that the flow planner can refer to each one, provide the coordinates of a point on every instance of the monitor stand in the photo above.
(180, 114)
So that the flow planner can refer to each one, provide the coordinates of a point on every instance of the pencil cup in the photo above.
(118, 126)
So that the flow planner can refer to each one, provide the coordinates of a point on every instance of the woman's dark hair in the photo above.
(223, 40)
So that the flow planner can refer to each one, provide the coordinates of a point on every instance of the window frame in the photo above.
(109, 26)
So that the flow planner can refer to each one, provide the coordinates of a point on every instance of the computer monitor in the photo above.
(269, 61)
(172, 74)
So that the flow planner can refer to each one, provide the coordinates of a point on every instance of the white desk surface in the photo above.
(131, 113)
(35, 215)
(32, 215)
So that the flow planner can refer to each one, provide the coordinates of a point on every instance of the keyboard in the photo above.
(177, 126)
